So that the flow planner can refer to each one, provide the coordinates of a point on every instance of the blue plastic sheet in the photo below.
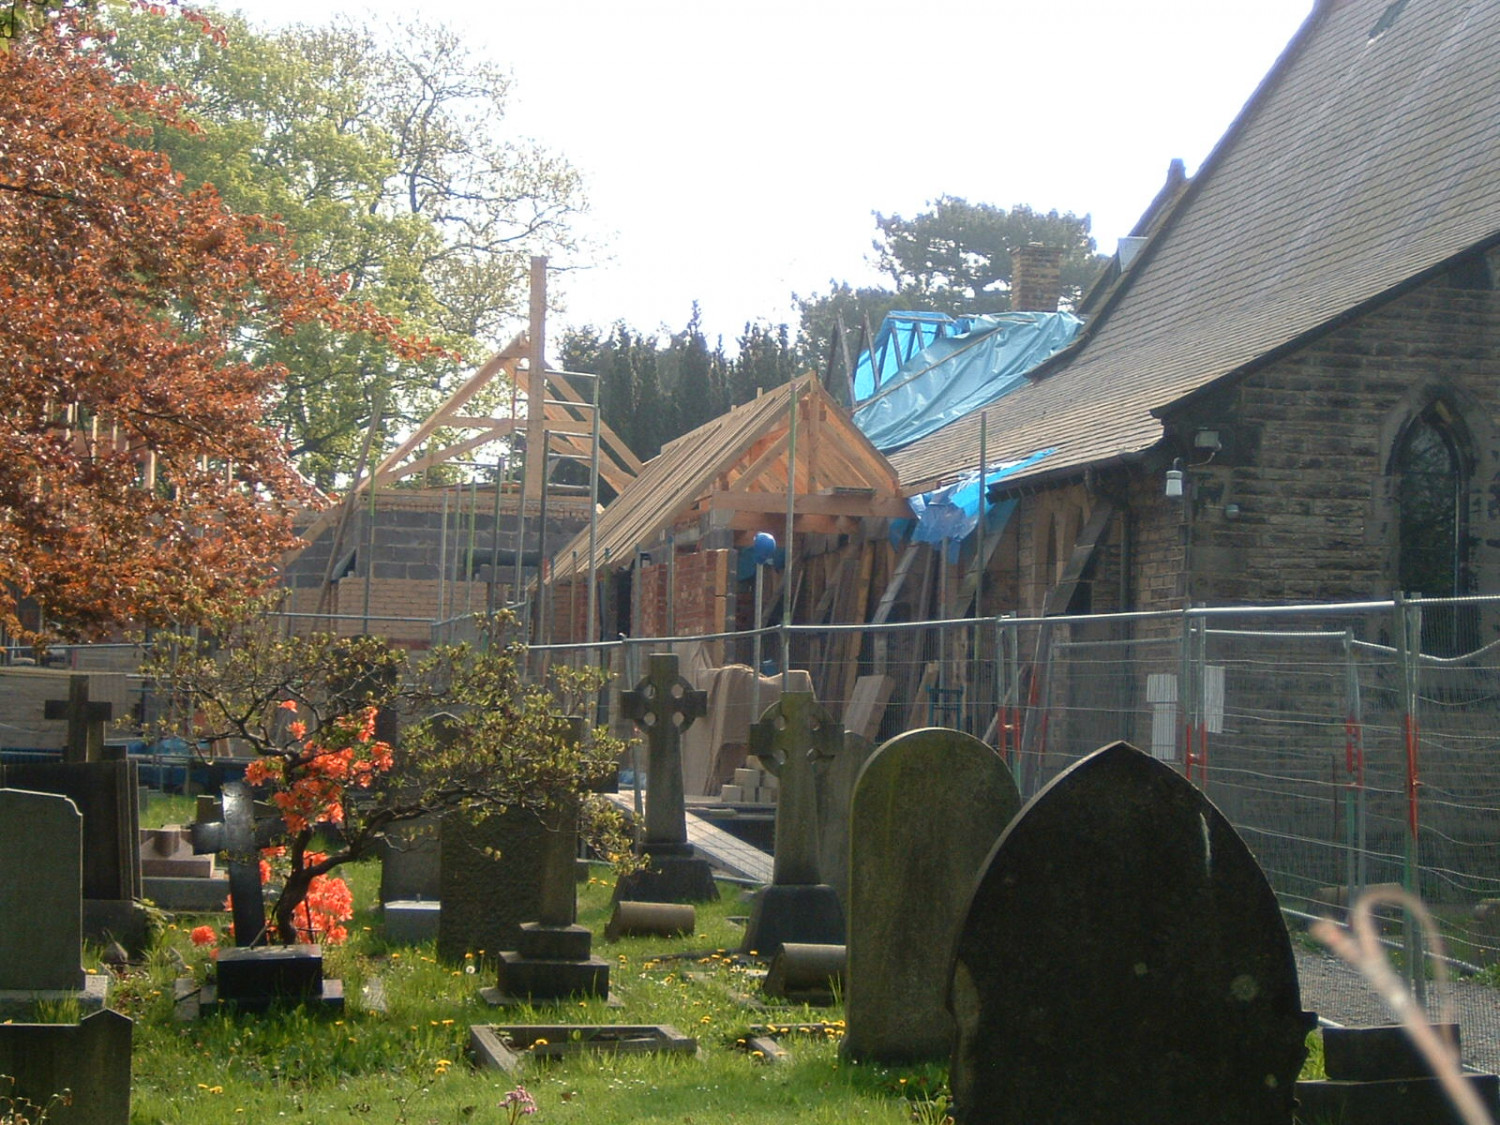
(977, 361)
(901, 336)
(949, 514)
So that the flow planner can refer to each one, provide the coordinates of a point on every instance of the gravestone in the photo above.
(86, 721)
(836, 779)
(795, 734)
(927, 809)
(240, 834)
(41, 911)
(553, 957)
(1377, 1076)
(664, 705)
(41, 935)
(491, 881)
(90, 1059)
(410, 857)
(409, 861)
(106, 794)
(174, 877)
(1123, 959)
(253, 976)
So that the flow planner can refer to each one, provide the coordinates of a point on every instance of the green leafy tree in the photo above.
(305, 707)
(957, 255)
(766, 359)
(386, 159)
(955, 258)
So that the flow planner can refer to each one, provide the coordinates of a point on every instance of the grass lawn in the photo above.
(408, 1064)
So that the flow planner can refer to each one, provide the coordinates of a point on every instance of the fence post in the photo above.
(1355, 825)
(1408, 649)
(1034, 733)
(1185, 692)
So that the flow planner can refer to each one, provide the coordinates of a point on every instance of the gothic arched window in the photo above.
(1431, 486)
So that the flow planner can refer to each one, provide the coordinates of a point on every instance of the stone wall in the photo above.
(1308, 443)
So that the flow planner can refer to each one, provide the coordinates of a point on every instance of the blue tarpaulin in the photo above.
(950, 513)
(901, 336)
(965, 364)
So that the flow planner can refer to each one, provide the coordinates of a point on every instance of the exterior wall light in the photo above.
(1174, 480)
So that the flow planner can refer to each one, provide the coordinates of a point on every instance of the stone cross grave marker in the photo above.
(664, 705)
(86, 721)
(795, 734)
(240, 835)
(1123, 959)
(927, 808)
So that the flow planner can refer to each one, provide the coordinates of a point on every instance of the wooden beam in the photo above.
(439, 418)
(536, 353)
(758, 466)
(818, 504)
(558, 382)
(437, 457)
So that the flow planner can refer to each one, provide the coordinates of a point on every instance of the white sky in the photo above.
(733, 152)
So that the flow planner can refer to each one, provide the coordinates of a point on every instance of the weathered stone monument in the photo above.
(411, 864)
(491, 872)
(553, 958)
(175, 877)
(795, 734)
(106, 791)
(240, 834)
(664, 705)
(927, 809)
(41, 912)
(1377, 1076)
(254, 976)
(1123, 959)
(41, 934)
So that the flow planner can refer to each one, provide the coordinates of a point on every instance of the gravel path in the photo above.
(1337, 992)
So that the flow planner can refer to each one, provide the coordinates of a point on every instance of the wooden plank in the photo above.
(1060, 596)
(818, 504)
(854, 639)
(867, 703)
(439, 417)
(898, 579)
(917, 709)
(763, 460)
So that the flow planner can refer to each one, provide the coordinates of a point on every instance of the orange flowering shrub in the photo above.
(309, 707)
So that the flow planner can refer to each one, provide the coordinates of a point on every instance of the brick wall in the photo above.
(704, 601)
(1036, 278)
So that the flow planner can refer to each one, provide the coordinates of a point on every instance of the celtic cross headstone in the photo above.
(795, 734)
(664, 705)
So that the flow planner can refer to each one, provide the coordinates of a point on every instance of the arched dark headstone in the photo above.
(1123, 960)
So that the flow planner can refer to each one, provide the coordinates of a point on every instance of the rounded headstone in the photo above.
(927, 808)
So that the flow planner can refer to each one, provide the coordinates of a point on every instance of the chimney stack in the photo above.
(1035, 278)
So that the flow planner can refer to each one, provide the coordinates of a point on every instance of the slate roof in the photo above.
(1363, 161)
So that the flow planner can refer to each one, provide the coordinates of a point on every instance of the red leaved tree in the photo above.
(137, 482)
